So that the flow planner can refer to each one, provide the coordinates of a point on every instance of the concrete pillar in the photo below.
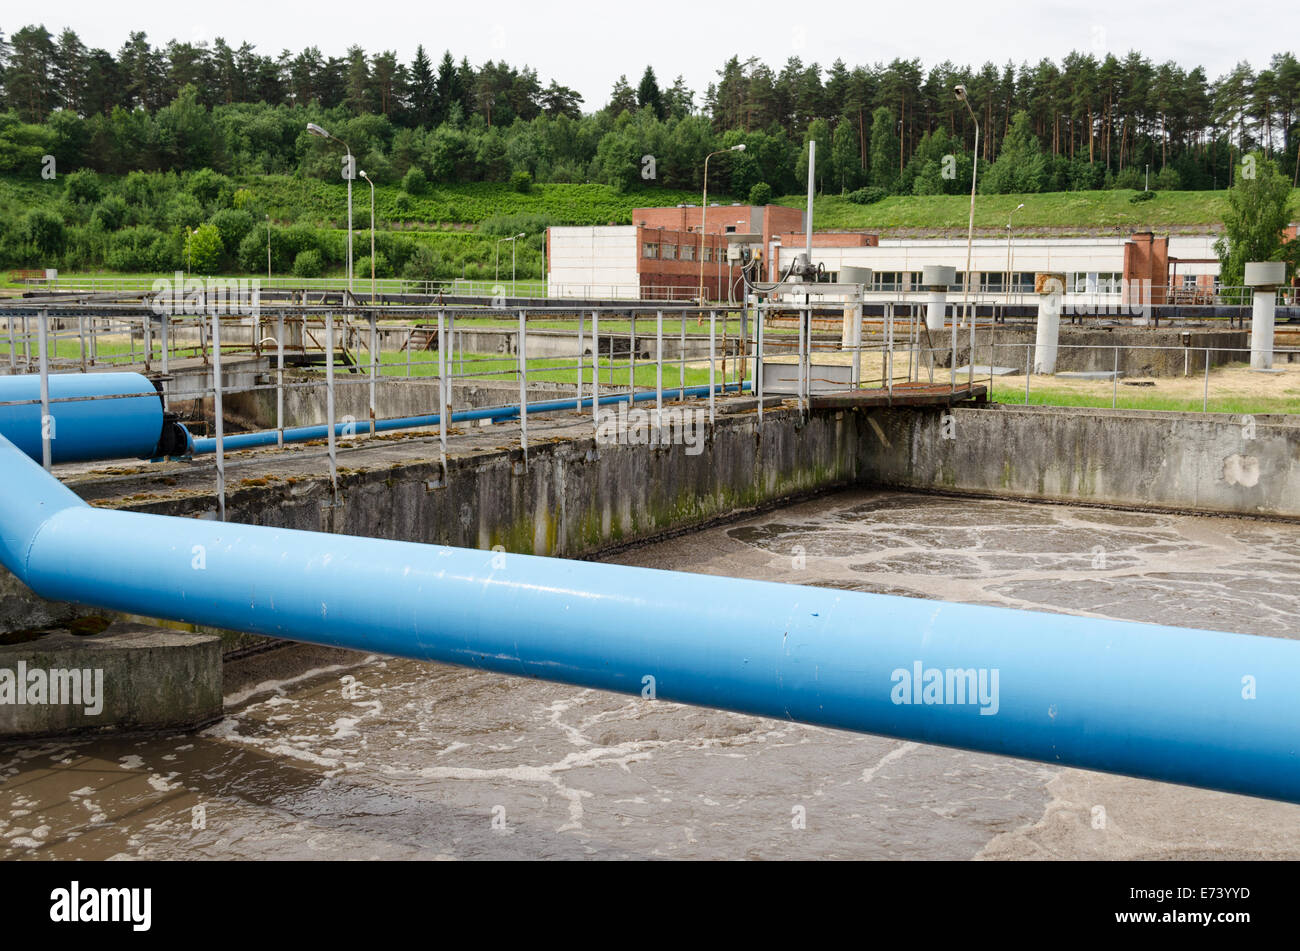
(1050, 289)
(1265, 277)
(851, 330)
(937, 278)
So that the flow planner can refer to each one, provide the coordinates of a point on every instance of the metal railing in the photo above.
(446, 376)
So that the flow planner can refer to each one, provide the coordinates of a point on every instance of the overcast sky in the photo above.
(587, 45)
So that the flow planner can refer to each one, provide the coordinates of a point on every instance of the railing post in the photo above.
(217, 414)
(578, 406)
(279, 380)
(523, 385)
(1114, 383)
(595, 368)
(681, 362)
(47, 422)
(1029, 365)
(329, 408)
(1205, 400)
(444, 417)
(631, 366)
(659, 366)
(374, 367)
(713, 320)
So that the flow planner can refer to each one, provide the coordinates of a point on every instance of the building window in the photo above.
(650, 250)
(708, 254)
(669, 252)
(1190, 281)
(1109, 283)
(1022, 282)
(888, 281)
(688, 252)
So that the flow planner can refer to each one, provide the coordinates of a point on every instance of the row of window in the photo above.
(675, 252)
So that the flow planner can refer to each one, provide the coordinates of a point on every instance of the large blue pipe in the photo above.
(1207, 709)
(96, 415)
(308, 433)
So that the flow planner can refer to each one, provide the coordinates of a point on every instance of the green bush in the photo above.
(760, 194)
(184, 211)
(251, 256)
(361, 268)
(1168, 180)
(139, 248)
(425, 264)
(204, 250)
(110, 214)
(521, 182)
(211, 188)
(308, 264)
(414, 182)
(233, 224)
(44, 234)
(1142, 196)
(82, 187)
(867, 196)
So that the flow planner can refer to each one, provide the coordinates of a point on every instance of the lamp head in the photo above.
(738, 148)
(960, 92)
(314, 129)
(1019, 206)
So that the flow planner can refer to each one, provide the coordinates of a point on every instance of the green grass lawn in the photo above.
(1048, 210)
(1132, 400)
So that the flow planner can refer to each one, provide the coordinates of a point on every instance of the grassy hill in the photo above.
(1054, 212)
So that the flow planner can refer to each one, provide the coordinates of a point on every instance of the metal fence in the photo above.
(544, 360)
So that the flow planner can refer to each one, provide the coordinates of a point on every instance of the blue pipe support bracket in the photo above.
(95, 416)
(1203, 708)
(308, 433)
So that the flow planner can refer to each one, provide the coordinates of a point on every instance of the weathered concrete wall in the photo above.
(1012, 346)
(128, 677)
(573, 498)
(1184, 461)
(305, 406)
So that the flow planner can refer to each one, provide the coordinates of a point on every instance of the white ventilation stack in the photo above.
(1050, 289)
(1265, 277)
(937, 278)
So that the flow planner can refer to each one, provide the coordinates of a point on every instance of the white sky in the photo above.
(587, 45)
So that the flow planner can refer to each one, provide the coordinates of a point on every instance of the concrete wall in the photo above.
(1096, 349)
(1180, 461)
(574, 498)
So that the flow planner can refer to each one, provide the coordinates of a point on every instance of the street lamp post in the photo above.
(268, 248)
(962, 96)
(1008, 285)
(497, 269)
(372, 234)
(514, 246)
(316, 130)
(704, 209)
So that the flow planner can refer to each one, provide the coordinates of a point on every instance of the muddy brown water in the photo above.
(370, 757)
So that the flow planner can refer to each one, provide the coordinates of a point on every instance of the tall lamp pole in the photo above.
(704, 208)
(962, 96)
(372, 234)
(1008, 285)
(514, 246)
(316, 130)
(268, 248)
